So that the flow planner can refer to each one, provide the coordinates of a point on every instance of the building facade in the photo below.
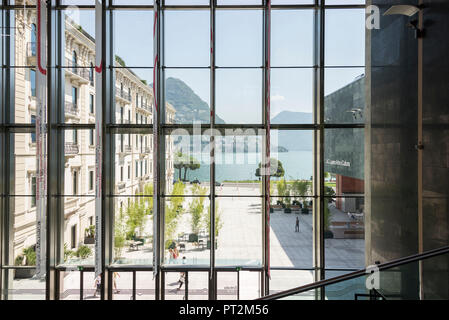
(133, 152)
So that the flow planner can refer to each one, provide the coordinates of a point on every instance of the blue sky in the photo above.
(239, 44)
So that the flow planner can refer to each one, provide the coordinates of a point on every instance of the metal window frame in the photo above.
(57, 127)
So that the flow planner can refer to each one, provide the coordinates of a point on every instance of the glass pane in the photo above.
(249, 285)
(239, 38)
(287, 279)
(187, 222)
(292, 159)
(344, 100)
(133, 229)
(185, 3)
(79, 157)
(344, 2)
(90, 286)
(237, 157)
(133, 40)
(227, 286)
(79, 39)
(244, 105)
(344, 224)
(24, 37)
(238, 2)
(175, 286)
(24, 96)
(69, 285)
(78, 230)
(122, 285)
(25, 170)
(187, 93)
(145, 286)
(187, 163)
(133, 164)
(238, 224)
(132, 2)
(187, 38)
(345, 290)
(291, 232)
(345, 37)
(20, 285)
(198, 285)
(291, 96)
(292, 37)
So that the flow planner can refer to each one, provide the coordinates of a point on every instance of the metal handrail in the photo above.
(358, 273)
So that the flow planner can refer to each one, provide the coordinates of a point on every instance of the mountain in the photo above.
(289, 117)
(294, 140)
(187, 103)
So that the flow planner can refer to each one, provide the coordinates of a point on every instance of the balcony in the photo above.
(145, 108)
(71, 149)
(31, 52)
(121, 185)
(122, 95)
(71, 110)
(76, 74)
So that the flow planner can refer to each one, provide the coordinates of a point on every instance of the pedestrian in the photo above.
(97, 285)
(114, 278)
(297, 225)
(182, 278)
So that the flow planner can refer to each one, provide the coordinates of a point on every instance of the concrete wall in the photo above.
(391, 178)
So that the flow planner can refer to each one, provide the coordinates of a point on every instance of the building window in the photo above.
(137, 168)
(92, 104)
(75, 182)
(129, 172)
(91, 74)
(33, 40)
(91, 137)
(33, 134)
(74, 61)
(33, 192)
(137, 100)
(75, 136)
(91, 180)
(91, 221)
(73, 237)
(33, 82)
(121, 173)
(121, 114)
(75, 97)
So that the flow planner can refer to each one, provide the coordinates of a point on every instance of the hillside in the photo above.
(187, 103)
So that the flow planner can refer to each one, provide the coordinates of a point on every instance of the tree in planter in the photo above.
(67, 252)
(27, 258)
(89, 232)
(83, 252)
(300, 188)
(173, 209)
(197, 208)
(137, 212)
(218, 219)
(327, 219)
(119, 234)
(282, 189)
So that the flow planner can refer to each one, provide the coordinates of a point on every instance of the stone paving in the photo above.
(239, 244)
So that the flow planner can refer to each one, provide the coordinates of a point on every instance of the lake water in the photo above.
(242, 166)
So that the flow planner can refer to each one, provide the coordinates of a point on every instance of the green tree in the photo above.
(276, 168)
(119, 234)
(218, 219)
(173, 209)
(197, 208)
(182, 161)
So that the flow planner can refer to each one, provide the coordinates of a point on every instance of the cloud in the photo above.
(277, 98)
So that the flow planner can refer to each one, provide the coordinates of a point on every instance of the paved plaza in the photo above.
(239, 244)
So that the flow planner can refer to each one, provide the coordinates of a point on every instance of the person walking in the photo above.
(97, 285)
(114, 278)
(297, 225)
(182, 278)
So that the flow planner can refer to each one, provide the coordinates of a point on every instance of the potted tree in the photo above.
(89, 235)
(288, 200)
(27, 258)
(305, 209)
(328, 234)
